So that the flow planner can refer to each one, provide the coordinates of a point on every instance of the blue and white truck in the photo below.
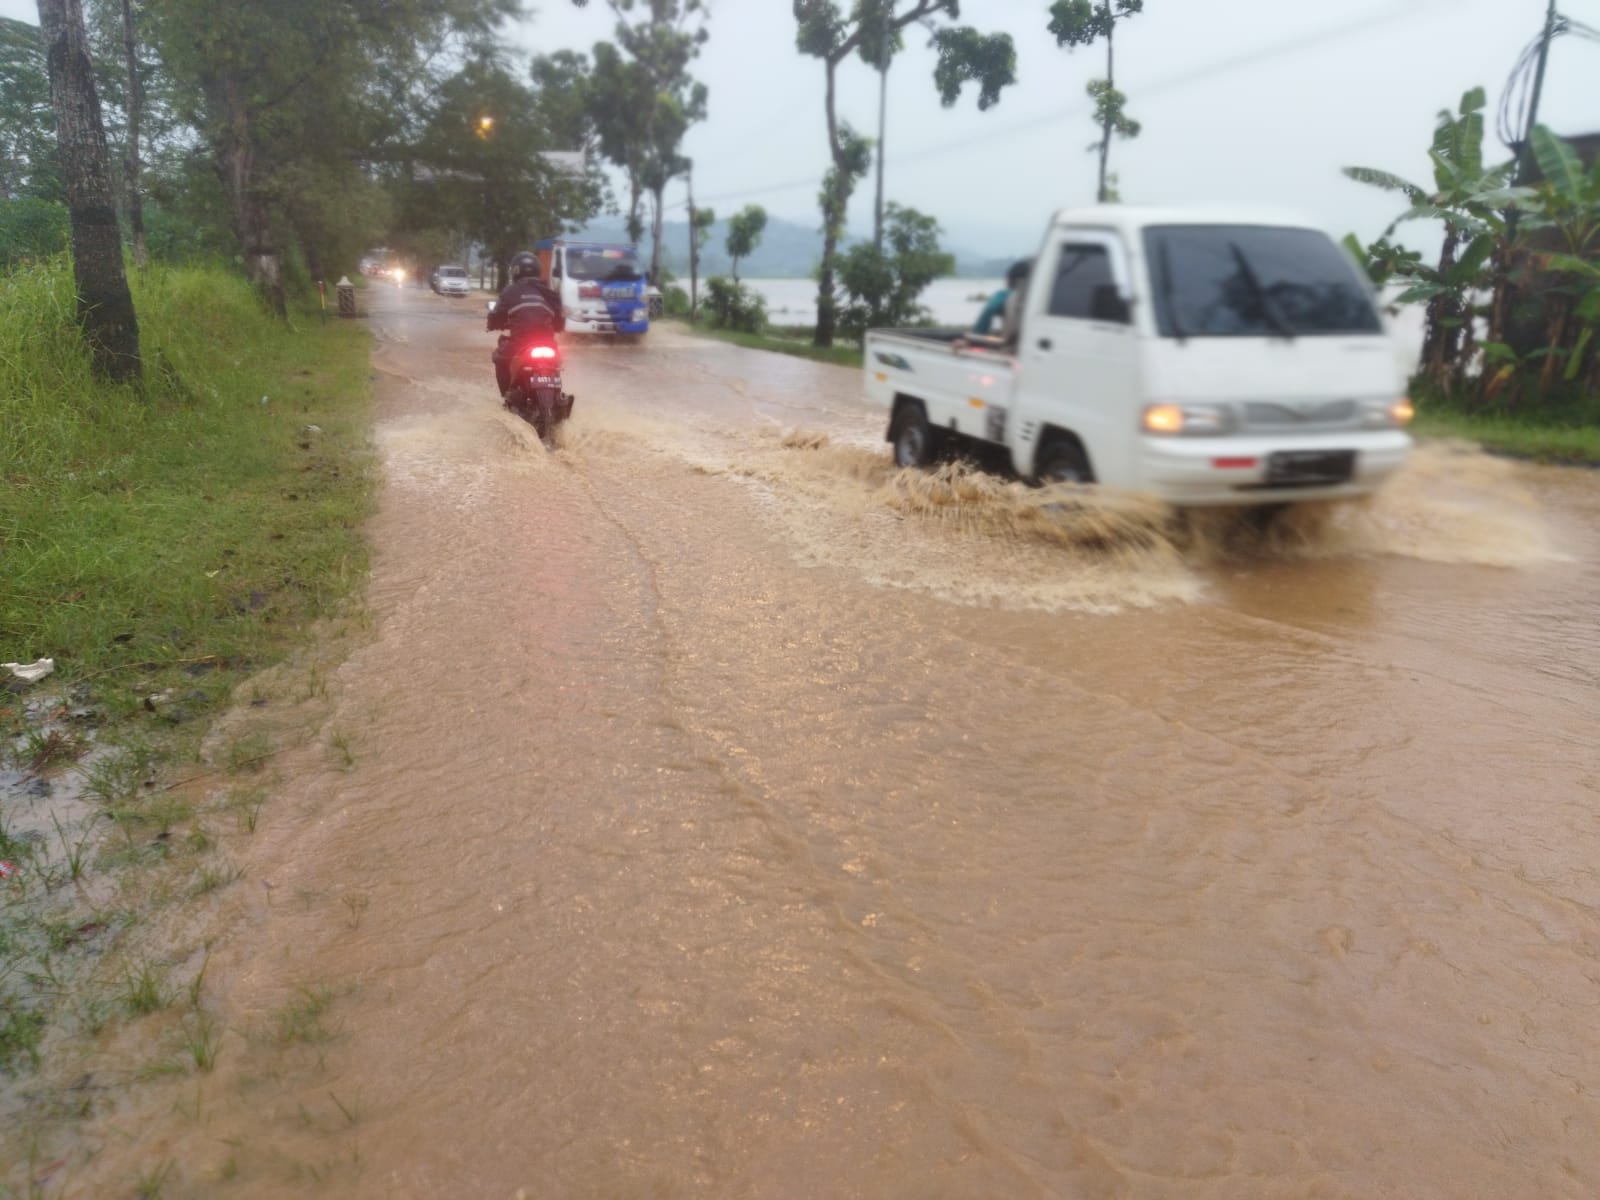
(602, 287)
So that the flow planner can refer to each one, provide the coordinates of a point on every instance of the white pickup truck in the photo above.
(1207, 358)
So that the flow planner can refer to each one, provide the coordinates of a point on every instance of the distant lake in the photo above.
(794, 301)
(958, 302)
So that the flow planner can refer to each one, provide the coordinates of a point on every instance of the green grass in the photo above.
(1524, 437)
(201, 1040)
(302, 1018)
(145, 991)
(785, 341)
(161, 543)
(190, 524)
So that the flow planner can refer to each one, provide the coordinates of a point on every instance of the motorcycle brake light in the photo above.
(541, 352)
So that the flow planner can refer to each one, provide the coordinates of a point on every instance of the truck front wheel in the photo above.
(1063, 461)
(916, 443)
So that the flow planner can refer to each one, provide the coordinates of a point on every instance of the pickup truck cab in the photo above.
(1208, 358)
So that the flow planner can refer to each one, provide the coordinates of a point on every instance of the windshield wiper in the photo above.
(1268, 304)
(1168, 297)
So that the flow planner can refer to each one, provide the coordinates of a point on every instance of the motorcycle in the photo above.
(536, 393)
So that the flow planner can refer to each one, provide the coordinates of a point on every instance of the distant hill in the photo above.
(788, 250)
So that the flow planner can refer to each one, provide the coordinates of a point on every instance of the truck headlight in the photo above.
(640, 314)
(1378, 414)
(1186, 420)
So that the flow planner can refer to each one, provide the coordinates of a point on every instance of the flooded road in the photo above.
(733, 816)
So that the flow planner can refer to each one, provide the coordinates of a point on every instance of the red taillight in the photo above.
(543, 352)
(1233, 464)
(588, 291)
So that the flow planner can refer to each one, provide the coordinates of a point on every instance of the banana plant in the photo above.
(1471, 200)
(1566, 208)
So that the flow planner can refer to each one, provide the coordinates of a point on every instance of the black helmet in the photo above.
(1019, 272)
(524, 265)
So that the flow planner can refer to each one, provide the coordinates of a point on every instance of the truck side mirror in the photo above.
(1107, 303)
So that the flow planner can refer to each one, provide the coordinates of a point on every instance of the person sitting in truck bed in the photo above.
(1006, 305)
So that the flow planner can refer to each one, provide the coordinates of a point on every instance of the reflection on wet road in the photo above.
(734, 816)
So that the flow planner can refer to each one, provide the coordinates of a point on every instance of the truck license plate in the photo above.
(1310, 467)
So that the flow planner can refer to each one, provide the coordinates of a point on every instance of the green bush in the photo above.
(734, 306)
(31, 229)
(883, 286)
(676, 300)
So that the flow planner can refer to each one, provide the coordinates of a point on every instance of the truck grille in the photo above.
(1285, 417)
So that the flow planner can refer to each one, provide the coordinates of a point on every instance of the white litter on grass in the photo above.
(31, 672)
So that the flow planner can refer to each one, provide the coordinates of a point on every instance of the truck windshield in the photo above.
(1254, 281)
(605, 266)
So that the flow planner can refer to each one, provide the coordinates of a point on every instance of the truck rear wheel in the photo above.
(916, 443)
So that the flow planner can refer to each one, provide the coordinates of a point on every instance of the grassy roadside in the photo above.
(161, 546)
(783, 341)
(1520, 438)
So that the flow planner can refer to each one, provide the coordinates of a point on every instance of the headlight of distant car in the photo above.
(1187, 420)
(1378, 414)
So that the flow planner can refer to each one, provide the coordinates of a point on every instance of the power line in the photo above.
(1282, 49)
(1517, 109)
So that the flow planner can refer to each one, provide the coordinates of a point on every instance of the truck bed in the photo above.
(966, 390)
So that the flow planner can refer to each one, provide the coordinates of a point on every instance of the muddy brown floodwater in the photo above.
(733, 816)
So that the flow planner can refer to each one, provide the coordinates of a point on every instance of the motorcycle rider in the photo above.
(527, 310)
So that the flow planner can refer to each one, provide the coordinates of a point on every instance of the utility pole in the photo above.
(1525, 150)
(883, 109)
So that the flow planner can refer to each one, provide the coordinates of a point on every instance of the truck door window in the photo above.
(1083, 284)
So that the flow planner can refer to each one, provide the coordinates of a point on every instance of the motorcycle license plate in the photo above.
(546, 380)
(1311, 467)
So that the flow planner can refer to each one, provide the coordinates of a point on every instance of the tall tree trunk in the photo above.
(130, 44)
(1440, 341)
(694, 255)
(883, 133)
(657, 216)
(105, 306)
(1555, 340)
(235, 154)
(827, 318)
(1111, 84)
(635, 226)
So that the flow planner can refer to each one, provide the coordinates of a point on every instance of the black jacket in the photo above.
(526, 306)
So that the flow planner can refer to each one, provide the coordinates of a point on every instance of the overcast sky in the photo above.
(1255, 101)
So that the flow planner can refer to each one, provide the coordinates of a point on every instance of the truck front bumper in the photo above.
(1201, 472)
(606, 325)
